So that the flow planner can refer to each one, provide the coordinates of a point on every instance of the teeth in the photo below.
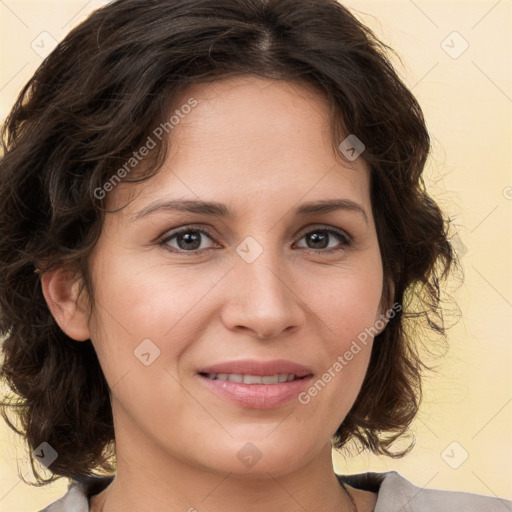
(253, 379)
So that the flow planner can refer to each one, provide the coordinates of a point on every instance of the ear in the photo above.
(60, 289)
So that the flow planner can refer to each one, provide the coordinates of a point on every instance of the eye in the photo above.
(320, 240)
(188, 240)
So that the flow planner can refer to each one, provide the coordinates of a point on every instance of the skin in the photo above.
(262, 148)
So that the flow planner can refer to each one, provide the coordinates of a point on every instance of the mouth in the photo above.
(253, 379)
(256, 384)
(249, 370)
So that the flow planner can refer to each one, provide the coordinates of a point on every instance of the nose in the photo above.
(260, 297)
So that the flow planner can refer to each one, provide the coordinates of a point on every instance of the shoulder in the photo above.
(396, 493)
(77, 496)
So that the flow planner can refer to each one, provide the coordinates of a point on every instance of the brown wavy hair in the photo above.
(96, 98)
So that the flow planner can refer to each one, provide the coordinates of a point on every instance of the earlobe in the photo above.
(60, 289)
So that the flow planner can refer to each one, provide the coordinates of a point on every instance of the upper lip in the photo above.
(259, 368)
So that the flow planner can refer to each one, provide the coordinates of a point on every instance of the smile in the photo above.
(252, 379)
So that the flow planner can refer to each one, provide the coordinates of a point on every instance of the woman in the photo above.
(215, 241)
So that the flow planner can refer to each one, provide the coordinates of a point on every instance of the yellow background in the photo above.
(468, 106)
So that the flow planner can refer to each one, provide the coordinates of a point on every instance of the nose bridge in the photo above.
(260, 295)
(261, 266)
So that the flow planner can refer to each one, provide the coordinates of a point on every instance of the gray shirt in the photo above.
(395, 494)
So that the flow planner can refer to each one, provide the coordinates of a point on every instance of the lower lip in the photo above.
(257, 396)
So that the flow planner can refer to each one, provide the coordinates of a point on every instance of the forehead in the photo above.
(251, 137)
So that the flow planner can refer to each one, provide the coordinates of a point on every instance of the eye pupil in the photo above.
(316, 238)
(194, 239)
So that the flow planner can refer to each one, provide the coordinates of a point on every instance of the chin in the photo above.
(257, 459)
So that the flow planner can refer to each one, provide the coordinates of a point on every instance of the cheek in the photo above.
(348, 303)
(159, 303)
(347, 312)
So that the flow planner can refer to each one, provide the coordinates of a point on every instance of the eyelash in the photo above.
(342, 237)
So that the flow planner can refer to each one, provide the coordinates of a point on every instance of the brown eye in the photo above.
(187, 240)
(318, 240)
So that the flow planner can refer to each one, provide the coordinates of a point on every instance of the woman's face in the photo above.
(171, 308)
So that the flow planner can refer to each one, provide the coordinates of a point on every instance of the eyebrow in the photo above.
(215, 209)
